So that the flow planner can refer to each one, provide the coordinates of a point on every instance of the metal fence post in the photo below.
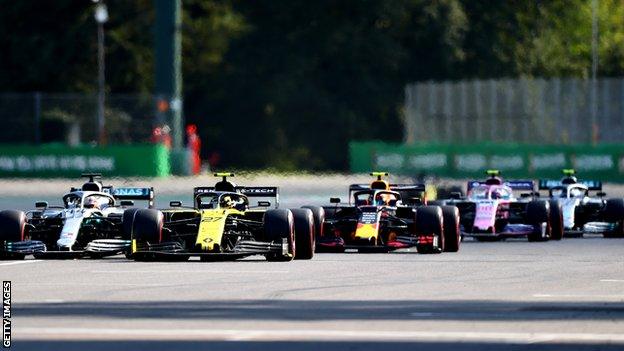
(37, 126)
(464, 110)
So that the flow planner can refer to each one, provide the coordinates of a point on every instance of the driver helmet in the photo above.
(497, 194)
(91, 202)
(227, 202)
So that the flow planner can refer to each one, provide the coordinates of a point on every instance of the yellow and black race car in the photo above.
(222, 225)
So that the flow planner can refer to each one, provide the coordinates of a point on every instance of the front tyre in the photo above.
(614, 213)
(556, 220)
(12, 229)
(147, 226)
(279, 227)
(537, 213)
(429, 225)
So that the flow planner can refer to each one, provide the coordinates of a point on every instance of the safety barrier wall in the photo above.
(602, 162)
(57, 160)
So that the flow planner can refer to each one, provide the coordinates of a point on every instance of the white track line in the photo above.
(576, 296)
(43, 333)
(225, 271)
(18, 262)
(612, 280)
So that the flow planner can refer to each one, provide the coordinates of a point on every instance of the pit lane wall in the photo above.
(601, 162)
(58, 160)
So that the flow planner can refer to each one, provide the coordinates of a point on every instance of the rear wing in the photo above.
(546, 184)
(513, 184)
(394, 187)
(406, 191)
(249, 191)
(132, 193)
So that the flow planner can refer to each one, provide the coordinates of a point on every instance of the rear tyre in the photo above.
(319, 219)
(614, 213)
(279, 227)
(452, 234)
(537, 213)
(304, 233)
(556, 220)
(429, 221)
(12, 229)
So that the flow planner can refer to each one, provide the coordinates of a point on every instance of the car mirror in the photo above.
(601, 194)
(175, 203)
(41, 204)
(127, 203)
(264, 203)
(334, 200)
(456, 195)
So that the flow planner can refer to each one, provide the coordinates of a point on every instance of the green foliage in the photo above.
(287, 84)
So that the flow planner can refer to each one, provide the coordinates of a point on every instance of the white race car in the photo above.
(581, 212)
(91, 222)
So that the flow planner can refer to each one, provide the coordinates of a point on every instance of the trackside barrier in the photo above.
(605, 162)
(57, 160)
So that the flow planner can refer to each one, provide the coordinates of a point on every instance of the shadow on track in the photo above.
(297, 345)
(316, 310)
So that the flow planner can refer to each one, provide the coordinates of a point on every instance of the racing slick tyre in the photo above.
(429, 221)
(319, 219)
(556, 220)
(614, 213)
(147, 226)
(127, 221)
(279, 224)
(537, 213)
(12, 228)
(304, 233)
(452, 234)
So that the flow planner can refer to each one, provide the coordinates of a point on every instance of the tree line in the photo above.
(286, 84)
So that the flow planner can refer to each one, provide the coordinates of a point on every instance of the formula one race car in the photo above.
(583, 213)
(382, 217)
(222, 225)
(491, 211)
(90, 223)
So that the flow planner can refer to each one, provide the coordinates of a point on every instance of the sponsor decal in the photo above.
(547, 161)
(259, 190)
(210, 219)
(427, 161)
(28, 163)
(507, 162)
(6, 314)
(389, 160)
(593, 162)
(131, 192)
(470, 162)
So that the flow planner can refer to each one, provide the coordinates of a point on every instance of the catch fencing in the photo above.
(38, 118)
(533, 111)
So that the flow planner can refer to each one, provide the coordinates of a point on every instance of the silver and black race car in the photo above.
(582, 212)
(94, 220)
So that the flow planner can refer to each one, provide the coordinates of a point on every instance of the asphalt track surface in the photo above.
(510, 295)
(489, 296)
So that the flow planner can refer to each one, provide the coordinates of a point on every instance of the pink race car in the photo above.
(491, 211)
